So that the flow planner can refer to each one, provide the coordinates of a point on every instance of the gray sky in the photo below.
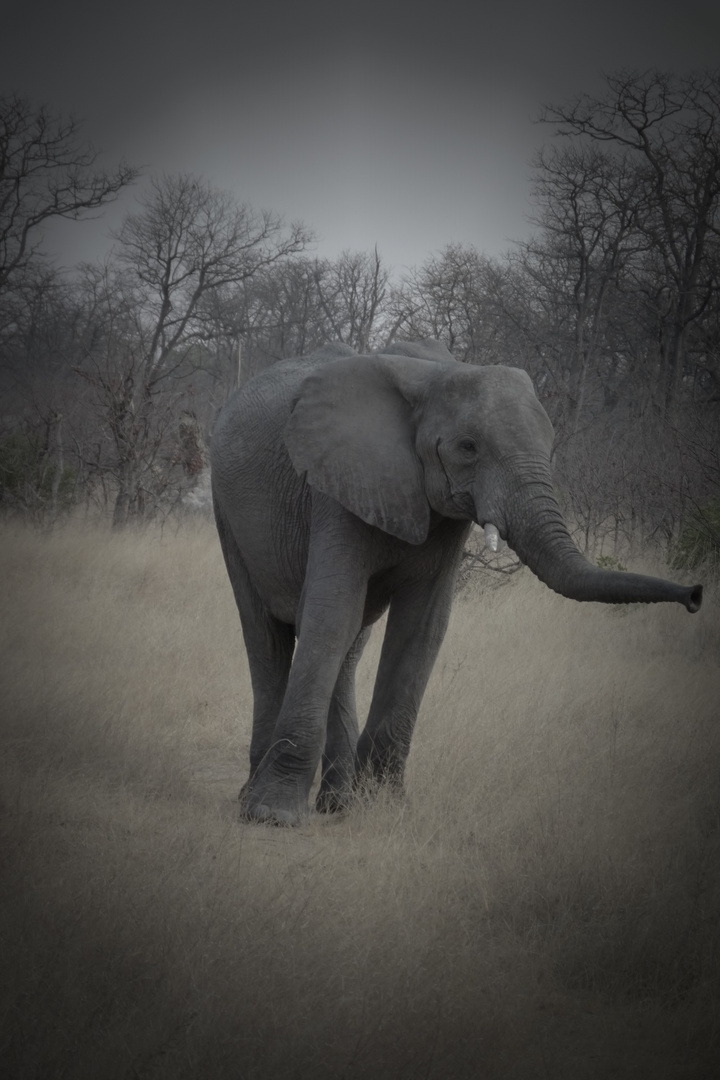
(409, 126)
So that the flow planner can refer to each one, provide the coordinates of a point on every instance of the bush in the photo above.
(699, 540)
(609, 562)
(28, 474)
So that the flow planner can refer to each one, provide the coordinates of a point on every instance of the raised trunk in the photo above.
(537, 533)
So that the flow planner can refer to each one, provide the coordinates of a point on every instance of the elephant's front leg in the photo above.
(416, 626)
(331, 615)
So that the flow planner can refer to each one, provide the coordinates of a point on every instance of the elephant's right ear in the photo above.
(351, 431)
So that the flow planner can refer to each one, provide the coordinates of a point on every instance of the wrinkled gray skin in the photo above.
(344, 485)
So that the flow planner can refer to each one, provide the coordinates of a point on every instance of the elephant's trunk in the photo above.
(537, 533)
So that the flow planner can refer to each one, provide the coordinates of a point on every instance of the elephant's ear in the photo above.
(351, 431)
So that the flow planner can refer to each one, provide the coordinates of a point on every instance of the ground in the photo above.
(543, 903)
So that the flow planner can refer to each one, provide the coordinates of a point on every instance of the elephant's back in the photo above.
(262, 407)
(251, 422)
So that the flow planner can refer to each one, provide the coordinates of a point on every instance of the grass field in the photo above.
(544, 904)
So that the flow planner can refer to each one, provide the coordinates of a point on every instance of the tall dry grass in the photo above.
(543, 904)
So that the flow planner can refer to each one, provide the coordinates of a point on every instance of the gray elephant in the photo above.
(347, 484)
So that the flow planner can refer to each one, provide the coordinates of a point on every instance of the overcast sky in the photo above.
(403, 125)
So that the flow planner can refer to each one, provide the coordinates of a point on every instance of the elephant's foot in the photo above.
(332, 801)
(272, 802)
(336, 787)
(379, 766)
(262, 814)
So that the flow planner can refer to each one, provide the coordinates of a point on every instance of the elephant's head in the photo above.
(393, 438)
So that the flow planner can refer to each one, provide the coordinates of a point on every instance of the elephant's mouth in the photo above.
(460, 499)
(465, 503)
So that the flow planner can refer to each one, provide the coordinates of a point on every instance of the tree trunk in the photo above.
(58, 474)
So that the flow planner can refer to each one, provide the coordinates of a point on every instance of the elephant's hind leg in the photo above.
(330, 620)
(269, 644)
(338, 760)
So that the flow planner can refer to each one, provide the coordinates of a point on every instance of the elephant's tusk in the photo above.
(492, 537)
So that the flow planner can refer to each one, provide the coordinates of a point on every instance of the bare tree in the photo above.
(587, 204)
(293, 307)
(46, 171)
(452, 297)
(272, 316)
(188, 241)
(351, 291)
(39, 394)
(671, 127)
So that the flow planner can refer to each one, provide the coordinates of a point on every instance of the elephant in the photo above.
(345, 485)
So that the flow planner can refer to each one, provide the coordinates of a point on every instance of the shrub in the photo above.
(28, 474)
(699, 540)
(609, 562)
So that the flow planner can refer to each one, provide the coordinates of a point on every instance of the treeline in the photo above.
(113, 373)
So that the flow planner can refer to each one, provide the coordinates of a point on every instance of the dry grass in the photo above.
(544, 903)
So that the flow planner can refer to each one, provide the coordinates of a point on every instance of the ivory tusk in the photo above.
(492, 537)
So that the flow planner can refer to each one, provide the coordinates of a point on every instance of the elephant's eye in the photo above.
(468, 446)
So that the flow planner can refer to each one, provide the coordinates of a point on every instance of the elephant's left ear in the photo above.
(351, 431)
